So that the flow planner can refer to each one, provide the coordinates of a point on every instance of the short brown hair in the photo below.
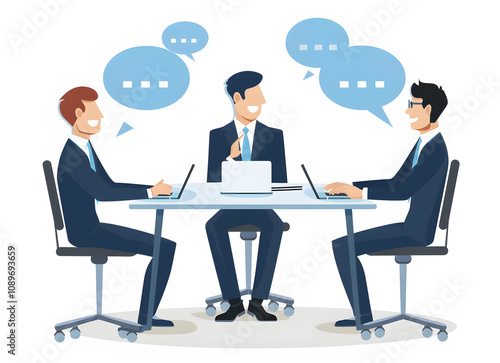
(73, 100)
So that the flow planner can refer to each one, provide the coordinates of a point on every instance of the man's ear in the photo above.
(236, 97)
(78, 112)
(428, 109)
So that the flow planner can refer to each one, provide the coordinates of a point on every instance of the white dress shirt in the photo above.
(84, 145)
(428, 136)
(239, 131)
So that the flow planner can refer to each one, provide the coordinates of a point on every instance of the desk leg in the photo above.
(154, 272)
(352, 263)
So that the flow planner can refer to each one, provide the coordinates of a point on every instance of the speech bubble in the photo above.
(146, 78)
(369, 80)
(355, 77)
(313, 42)
(185, 38)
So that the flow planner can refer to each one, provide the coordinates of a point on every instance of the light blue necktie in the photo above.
(91, 156)
(415, 157)
(92, 162)
(245, 153)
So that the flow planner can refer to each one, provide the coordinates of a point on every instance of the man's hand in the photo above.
(235, 148)
(350, 190)
(161, 188)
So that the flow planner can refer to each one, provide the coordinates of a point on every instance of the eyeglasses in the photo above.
(410, 104)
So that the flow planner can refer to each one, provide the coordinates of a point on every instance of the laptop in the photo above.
(322, 195)
(174, 195)
(246, 177)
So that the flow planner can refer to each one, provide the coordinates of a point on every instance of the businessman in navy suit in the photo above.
(420, 180)
(83, 180)
(247, 139)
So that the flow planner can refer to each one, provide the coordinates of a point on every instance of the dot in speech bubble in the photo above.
(185, 38)
(367, 79)
(146, 78)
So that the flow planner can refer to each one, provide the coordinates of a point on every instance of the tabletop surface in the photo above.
(208, 196)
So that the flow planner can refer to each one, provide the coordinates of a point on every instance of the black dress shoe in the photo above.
(352, 322)
(258, 311)
(231, 313)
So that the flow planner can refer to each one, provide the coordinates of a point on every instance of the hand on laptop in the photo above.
(235, 148)
(161, 188)
(351, 191)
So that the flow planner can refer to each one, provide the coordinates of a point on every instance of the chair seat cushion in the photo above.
(413, 251)
(90, 251)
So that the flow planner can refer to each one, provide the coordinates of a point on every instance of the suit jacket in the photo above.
(80, 186)
(268, 145)
(424, 184)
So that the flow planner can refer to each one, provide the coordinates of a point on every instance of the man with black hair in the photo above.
(420, 180)
(246, 139)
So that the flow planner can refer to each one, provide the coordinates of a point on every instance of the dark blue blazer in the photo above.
(424, 184)
(79, 186)
(268, 145)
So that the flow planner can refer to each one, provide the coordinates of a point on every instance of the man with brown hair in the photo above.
(82, 180)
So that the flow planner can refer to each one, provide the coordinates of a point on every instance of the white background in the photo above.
(451, 43)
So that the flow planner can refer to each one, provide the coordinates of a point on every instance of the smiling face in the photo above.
(420, 117)
(248, 109)
(87, 122)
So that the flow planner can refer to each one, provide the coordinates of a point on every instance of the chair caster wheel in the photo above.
(122, 333)
(59, 336)
(224, 306)
(75, 333)
(427, 332)
(442, 335)
(366, 335)
(379, 332)
(210, 310)
(273, 306)
(132, 336)
(289, 310)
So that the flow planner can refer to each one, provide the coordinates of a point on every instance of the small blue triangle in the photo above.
(125, 128)
(308, 74)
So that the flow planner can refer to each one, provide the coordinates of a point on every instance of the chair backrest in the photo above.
(53, 196)
(448, 194)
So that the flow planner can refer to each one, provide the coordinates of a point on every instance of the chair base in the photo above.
(398, 317)
(125, 324)
(380, 331)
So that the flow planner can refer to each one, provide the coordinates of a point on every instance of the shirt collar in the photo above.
(240, 126)
(79, 141)
(428, 136)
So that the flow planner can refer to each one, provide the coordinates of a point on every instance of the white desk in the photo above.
(207, 196)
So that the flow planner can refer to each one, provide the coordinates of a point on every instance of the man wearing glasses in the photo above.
(420, 180)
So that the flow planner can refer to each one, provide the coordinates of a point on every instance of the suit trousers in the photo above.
(371, 240)
(129, 240)
(271, 227)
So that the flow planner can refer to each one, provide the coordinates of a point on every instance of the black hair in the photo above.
(432, 95)
(242, 81)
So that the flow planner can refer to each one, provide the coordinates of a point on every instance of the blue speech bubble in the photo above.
(185, 38)
(313, 42)
(355, 77)
(146, 78)
(367, 80)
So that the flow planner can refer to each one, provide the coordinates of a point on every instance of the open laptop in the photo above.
(246, 177)
(322, 195)
(176, 195)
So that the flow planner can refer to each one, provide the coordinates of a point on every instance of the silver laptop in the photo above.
(246, 177)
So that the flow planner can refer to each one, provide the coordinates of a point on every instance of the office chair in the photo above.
(248, 233)
(98, 256)
(403, 258)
